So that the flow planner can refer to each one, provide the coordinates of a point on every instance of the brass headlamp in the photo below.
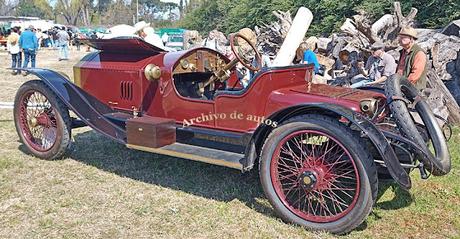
(369, 106)
(152, 72)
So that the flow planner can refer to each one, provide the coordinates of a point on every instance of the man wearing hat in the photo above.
(146, 32)
(28, 43)
(412, 60)
(379, 67)
(139, 28)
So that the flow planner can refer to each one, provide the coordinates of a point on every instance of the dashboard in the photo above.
(200, 61)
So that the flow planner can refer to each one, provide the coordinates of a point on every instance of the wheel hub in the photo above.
(308, 180)
(42, 119)
(33, 122)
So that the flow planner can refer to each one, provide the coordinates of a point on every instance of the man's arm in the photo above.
(378, 81)
(35, 40)
(418, 67)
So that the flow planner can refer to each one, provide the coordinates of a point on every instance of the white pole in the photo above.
(137, 10)
(296, 33)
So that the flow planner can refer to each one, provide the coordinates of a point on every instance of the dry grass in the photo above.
(103, 190)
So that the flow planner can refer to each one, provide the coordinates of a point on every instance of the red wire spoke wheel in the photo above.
(42, 120)
(317, 173)
(314, 176)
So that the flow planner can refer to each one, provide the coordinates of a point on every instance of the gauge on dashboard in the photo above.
(184, 64)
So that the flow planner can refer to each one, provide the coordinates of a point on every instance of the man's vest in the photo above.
(420, 84)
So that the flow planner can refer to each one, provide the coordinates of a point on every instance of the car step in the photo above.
(196, 153)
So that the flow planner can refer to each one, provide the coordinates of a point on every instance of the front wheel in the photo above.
(42, 121)
(316, 173)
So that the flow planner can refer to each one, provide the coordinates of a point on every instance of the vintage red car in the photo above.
(318, 148)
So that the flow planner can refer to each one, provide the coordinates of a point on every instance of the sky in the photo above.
(53, 2)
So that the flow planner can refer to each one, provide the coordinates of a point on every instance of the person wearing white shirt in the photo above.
(12, 45)
(165, 38)
(152, 38)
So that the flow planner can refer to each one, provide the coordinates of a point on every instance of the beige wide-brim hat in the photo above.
(409, 31)
(312, 42)
(378, 45)
(140, 26)
(249, 34)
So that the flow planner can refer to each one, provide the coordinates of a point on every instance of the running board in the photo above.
(196, 153)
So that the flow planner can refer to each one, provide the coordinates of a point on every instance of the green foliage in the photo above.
(232, 15)
(35, 8)
(205, 18)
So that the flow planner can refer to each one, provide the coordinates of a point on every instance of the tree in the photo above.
(118, 13)
(7, 7)
(34, 8)
(181, 8)
(70, 9)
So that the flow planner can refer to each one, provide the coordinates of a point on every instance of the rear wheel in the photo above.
(42, 121)
(316, 173)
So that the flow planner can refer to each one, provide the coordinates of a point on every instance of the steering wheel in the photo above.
(240, 52)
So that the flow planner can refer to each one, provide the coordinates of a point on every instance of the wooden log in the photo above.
(447, 99)
(384, 22)
(296, 33)
(324, 44)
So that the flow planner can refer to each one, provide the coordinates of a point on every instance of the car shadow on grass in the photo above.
(401, 198)
(197, 178)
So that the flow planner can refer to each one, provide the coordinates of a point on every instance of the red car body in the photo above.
(272, 91)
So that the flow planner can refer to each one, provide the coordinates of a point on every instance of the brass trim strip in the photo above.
(187, 156)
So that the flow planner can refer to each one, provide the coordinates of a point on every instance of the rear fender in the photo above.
(90, 110)
(367, 127)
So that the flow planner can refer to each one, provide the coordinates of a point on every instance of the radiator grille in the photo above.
(126, 90)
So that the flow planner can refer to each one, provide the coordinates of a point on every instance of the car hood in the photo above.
(318, 93)
(335, 92)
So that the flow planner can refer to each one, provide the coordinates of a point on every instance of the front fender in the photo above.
(86, 107)
(375, 135)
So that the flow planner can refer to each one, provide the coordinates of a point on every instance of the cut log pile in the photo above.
(271, 36)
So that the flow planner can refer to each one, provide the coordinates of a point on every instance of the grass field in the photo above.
(104, 190)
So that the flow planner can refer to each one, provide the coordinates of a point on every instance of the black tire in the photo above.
(440, 163)
(363, 171)
(48, 114)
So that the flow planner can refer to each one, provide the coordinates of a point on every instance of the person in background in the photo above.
(12, 45)
(39, 35)
(213, 42)
(63, 44)
(54, 36)
(309, 56)
(46, 39)
(379, 67)
(139, 29)
(29, 44)
(165, 38)
(151, 37)
(76, 40)
(412, 61)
